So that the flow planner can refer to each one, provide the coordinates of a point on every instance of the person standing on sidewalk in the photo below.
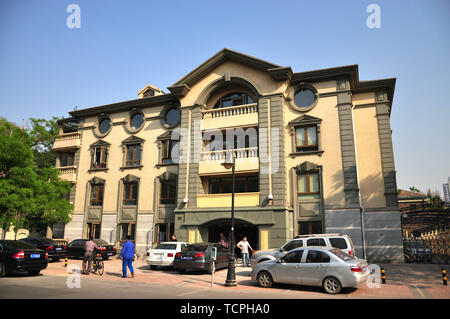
(89, 250)
(244, 245)
(127, 257)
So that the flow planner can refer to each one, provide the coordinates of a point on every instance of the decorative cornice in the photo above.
(133, 140)
(281, 74)
(99, 143)
(179, 91)
(305, 120)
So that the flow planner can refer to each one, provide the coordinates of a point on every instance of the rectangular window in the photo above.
(99, 158)
(97, 194)
(133, 155)
(308, 228)
(315, 242)
(308, 186)
(166, 151)
(168, 192)
(66, 159)
(127, 229)
(130, 193)
(93, 230)
(243, 184)
(306, 139)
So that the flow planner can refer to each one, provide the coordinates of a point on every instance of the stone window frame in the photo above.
(305, 121)
(132, 140)
(158, 188)
(100, 118)
(129, 179)
(92, 149)
(303, 86)
(94, 182)
(165, 138)
(164, 112)
(132, 113)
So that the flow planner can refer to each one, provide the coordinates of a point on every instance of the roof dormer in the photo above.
(149, 90)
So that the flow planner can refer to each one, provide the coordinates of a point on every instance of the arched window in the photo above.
(234, 99)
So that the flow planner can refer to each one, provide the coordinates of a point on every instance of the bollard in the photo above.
(383, 276)
(444, 276)
(65, 262)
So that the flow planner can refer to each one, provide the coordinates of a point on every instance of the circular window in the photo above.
(105, 125)
(137, 119)
(172, 117)
(304, 98)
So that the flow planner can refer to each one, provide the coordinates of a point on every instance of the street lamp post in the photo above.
(231, 274)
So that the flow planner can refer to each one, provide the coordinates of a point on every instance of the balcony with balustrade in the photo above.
(233, 116)
(246, 160)
(67, 141)
(68, 173)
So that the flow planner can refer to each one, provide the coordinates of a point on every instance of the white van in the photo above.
(327, 241)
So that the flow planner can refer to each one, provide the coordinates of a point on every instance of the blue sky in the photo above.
(46, 69)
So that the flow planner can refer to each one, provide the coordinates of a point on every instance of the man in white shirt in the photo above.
(244, 245)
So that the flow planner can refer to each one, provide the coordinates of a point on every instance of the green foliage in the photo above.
(414, 189)
(30, 192)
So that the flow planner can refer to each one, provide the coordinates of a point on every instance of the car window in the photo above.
(46, 241)
(341, 254)
(18, 244)
(316, 242)
(340, 243)
(100, 242)
(315, 256)
(293, 257)
(293, 244)
(196, 247)
(167, 246)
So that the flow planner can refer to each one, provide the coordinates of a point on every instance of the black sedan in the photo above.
(55, 251)
(18, 256)
(76, 248)
(198, 257)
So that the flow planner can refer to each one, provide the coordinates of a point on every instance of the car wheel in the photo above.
(265, 279)
(34, 272)
(181, 271)
(153, 267)
(2, 270)
(331, 285)
(55, 259)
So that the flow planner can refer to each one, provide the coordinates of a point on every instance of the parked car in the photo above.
(19, 256)
(332, 269)
(75, 249)
(328, 241)
(164, 254)
(198, 257)
(55, 251)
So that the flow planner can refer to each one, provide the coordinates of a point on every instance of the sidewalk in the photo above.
(402, 281)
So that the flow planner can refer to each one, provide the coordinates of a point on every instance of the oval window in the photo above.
(105, 125)
(137, 120)
(173, 117)
(304, 98)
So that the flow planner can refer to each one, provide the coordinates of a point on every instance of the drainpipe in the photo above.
(361, 207)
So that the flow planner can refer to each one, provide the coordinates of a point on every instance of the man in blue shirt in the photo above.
(127, 257)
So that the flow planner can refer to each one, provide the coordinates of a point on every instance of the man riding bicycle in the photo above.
(89, 251)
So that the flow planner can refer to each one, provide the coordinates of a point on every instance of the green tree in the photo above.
(29, 195)
(42, 135)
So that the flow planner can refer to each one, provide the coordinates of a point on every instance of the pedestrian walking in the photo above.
(89, 250)
(127, 257)
(244, 245)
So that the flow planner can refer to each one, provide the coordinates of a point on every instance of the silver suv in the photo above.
(327, 241)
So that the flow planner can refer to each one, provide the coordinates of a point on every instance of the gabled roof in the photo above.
(218, 59)
(133, 140)
(305, 119)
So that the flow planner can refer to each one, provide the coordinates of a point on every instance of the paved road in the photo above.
(404, 281)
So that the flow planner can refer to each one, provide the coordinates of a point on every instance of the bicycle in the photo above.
(97, 265)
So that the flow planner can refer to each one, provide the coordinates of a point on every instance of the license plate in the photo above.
(187, 257)
(109, 254)
(35, 256)
(58, 248)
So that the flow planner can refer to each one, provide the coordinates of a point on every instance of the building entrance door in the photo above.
(241, 229)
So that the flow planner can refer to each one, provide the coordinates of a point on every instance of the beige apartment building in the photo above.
(312, 150)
